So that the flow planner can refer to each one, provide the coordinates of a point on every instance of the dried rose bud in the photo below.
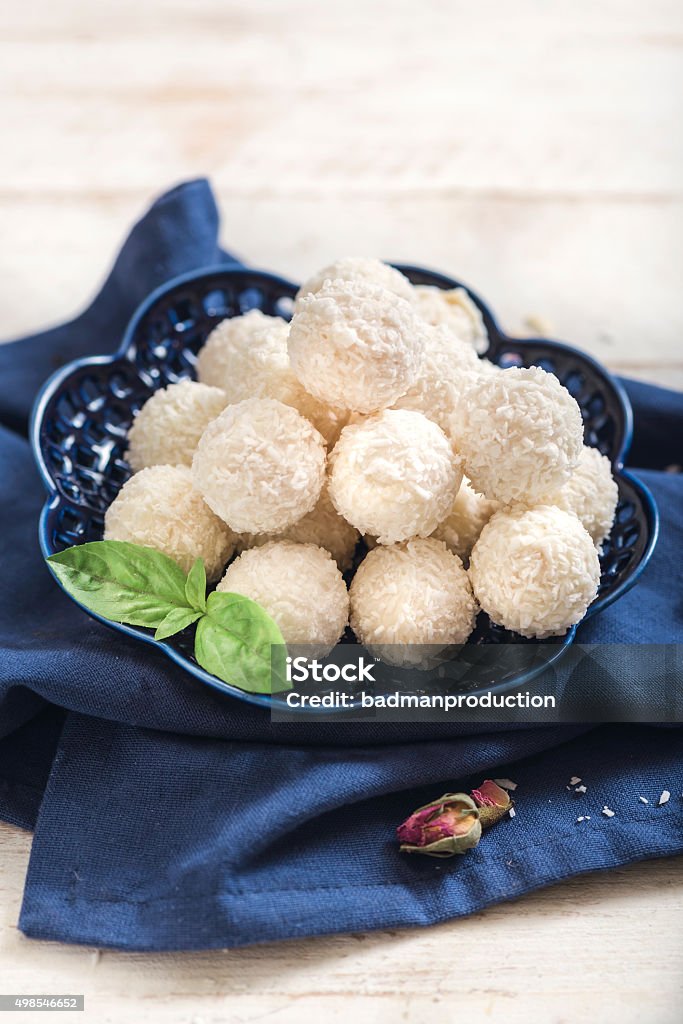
(493, 802)
(442, 828)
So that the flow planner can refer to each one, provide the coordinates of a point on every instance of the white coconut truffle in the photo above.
(591, 493)
(454, 309)
(448, 364)
(411, 601)
(328, 421)
(359, 268)
(246, 356)
(356, 346)
(462, 526)
(394, 476)
(486, 366)
(323, 527)
(300, 587)
(519, 433)
(159, 508)
(167, 428)
(260, 466)
(535, 571)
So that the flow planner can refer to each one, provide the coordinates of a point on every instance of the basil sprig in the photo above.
(235, 639)
(236, 630)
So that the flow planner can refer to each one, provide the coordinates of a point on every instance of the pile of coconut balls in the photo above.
(372, 416)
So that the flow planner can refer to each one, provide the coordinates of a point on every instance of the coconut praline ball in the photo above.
(394, 475)
(359, 268)
(323, 527)
(356, 346)
(159, 508)
(260, 466)
(167, 428)
(462, 526)
(328, 421)
(454, 309)
(519, 433)
(447, 366)
(300, 587)
(591, 493)
(535, 571)
(246, 356)
(410, 601)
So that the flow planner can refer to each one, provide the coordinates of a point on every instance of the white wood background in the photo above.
(533, 149)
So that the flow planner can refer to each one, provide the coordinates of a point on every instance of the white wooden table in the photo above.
(532, 149)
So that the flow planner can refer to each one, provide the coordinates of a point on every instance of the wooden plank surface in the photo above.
(531, 149)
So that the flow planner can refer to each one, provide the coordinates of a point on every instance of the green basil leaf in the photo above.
(121, 581)
(195, 586)
(175, 621)
(239, 642)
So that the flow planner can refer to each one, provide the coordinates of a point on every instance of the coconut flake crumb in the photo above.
(643, 800)
(664, 798)
(506, 784)
(607, 812)
(539, 324)
(512, 812)
(580, 789)
(574, 781)
(581, 817)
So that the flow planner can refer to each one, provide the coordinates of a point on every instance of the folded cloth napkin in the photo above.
(169, 817)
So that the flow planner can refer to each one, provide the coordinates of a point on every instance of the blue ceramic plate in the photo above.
(83, 413)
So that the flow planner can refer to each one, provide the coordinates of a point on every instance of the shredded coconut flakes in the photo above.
(506, 784)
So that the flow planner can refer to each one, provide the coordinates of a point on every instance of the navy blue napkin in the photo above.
(169, 817)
